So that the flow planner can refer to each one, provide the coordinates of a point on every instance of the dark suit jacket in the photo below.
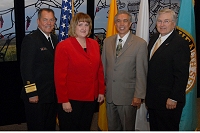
(37, 66)
(168, 71)
(126, 75)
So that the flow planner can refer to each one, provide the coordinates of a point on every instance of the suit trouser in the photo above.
(79, 119)
(40, 116)
(121, 117)
(165, 120)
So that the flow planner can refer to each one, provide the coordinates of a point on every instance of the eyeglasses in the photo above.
(164, 22)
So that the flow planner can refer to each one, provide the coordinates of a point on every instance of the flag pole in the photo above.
(72, 8)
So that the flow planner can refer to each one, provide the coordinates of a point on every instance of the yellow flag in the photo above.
(102, 118)
(111, 30)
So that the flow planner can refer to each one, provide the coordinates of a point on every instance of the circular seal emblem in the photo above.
(193, 60)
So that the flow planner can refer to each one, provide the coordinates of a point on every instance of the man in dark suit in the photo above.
(168, 72)
(37, 71)
(125, 74)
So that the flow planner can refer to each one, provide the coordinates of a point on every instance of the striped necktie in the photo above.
(49, 39)
(157, 45)
(119, 47)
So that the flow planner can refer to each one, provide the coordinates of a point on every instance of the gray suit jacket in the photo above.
(125, 76)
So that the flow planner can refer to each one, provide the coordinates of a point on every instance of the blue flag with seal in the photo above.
(186, 28)
(65, 17)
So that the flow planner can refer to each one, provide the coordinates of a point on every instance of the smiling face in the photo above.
(82, 29)
(165, 24)
(46, 22)
(80, 24)
(123, 24)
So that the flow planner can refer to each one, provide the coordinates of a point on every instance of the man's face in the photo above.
(46, 22)
(165, 24)
(122, 24)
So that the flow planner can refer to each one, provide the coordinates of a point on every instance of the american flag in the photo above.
(65, 17)
(1, 21)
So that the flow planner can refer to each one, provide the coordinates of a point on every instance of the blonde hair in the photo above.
(79, 17)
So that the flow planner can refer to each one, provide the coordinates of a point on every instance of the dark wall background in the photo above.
(197, 17)
(11, 105)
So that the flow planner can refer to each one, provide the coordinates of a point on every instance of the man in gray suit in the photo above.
(125, 74)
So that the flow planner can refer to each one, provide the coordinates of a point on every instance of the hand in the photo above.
(34, 99)
(67, 107)
(170, 104)
(100, 98)
(136, 102)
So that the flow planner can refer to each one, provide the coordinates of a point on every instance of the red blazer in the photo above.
(78, 74)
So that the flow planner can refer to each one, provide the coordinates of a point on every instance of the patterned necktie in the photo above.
(157, 45)
(119, 47)
(49, 39)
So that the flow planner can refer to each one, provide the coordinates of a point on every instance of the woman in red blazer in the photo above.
(79, 76)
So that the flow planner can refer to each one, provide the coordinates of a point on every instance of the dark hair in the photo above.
(44, 9)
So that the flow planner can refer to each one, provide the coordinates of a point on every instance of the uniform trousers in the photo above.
(165, 120)
(121, 117)
(79, 119)
(40, 116)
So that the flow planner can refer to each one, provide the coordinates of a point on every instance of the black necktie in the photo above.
(49, 39)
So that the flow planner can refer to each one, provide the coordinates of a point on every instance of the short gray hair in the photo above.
(167, 10)
(123, 12)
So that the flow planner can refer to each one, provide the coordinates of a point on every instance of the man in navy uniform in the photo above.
(37, 71)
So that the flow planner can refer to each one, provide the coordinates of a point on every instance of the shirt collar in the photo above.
(163, 38)
(44, 34)
(123, 38)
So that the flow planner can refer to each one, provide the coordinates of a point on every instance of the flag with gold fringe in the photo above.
(186, 28)
(111, 30)
(65, 17)
(142, 30)
(67, 9)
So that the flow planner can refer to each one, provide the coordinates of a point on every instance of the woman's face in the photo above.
(82, 29)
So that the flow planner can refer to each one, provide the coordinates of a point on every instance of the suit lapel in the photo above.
(54, 40)
(49, 45)
(151, 43)
(89, 47)
(163, 46)
(79, 48)
(113, 45)
(126, 44)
